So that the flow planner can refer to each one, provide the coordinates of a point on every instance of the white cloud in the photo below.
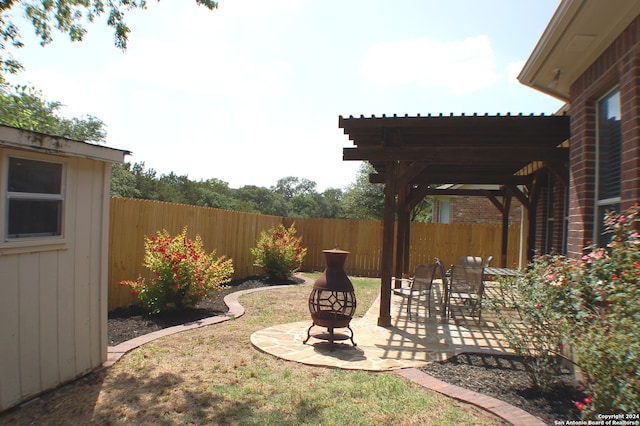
(461, 66)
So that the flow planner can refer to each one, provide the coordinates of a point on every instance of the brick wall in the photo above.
(479, 210)
(618, 66)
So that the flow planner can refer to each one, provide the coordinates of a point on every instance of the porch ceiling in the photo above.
(458, 149)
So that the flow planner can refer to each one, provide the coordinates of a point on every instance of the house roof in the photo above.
(459, 149)
(577, 34)
(39, 142)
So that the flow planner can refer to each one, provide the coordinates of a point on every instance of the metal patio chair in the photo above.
(466, 288)
(420, 286)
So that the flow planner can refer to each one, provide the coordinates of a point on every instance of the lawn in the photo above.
(213, 375)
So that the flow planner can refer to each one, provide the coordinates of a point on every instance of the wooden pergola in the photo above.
(412, 154)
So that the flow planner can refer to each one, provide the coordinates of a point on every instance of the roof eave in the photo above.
(577, 34)
(39, 142)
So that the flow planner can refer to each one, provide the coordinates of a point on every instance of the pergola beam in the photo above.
(485, 156)
(487, 178)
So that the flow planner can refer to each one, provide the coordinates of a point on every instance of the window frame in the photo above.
(599, 203)
(35, 242)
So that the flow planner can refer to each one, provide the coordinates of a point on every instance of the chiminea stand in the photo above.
(331, 335)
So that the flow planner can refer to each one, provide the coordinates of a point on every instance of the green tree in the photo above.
(362, 199)
(146, 181)
(331, 203)
(25, 108)
(123, 181)
(262, 200)
(217, 194)
(423, 212)
(291, 186)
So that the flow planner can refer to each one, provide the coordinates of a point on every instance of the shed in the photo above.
(54, 210)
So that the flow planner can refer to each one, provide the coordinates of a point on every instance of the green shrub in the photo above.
(592, 303)
(183, 273)
(606, 298)
(532, 316)
(279, 252)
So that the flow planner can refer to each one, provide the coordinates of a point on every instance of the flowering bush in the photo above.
(594, 305)
(606, 298)
(279, 252)
(183, 273)
(535, 323)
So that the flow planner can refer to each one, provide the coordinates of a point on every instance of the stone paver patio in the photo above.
(404, 344)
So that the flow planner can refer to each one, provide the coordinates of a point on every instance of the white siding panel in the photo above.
(82, 277)
(49, 319)
(97, 196)
(28, 306)
(104, 261)
(66, 317)
(66, 284)
(9, 328)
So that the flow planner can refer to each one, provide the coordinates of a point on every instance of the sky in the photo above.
(251, 92)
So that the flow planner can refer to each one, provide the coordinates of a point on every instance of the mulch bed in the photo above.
(502, 377)
(127, 323)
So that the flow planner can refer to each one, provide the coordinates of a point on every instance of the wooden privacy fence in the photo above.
(233, 234)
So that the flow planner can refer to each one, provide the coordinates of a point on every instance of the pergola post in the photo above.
(505, 229)
(388, 238)
(402, 240)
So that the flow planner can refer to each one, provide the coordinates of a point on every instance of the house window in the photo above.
(34, 198)
(609, 148)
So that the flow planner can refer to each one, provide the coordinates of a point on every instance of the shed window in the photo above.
(34, 198)
(609, 139)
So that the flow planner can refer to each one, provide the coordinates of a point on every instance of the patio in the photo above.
(403, 344)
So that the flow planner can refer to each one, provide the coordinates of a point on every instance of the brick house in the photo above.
(589, 57)
(471, 209)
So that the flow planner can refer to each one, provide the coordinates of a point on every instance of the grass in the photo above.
(213, 375)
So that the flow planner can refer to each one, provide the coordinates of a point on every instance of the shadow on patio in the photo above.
(403, 344)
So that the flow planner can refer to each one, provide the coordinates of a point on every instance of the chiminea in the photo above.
(332, 301)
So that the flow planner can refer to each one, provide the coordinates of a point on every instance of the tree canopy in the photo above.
(25, 108)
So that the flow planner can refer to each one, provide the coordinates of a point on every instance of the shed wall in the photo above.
(53, 320)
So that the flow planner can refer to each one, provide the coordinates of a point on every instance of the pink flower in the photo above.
(579, 405)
